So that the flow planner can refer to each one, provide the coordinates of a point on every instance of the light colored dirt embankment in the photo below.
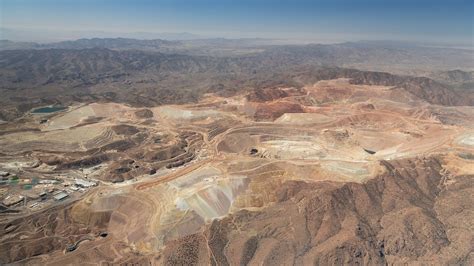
(333, 173)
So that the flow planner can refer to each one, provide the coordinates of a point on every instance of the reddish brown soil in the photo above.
(272, 93)
(271, 111)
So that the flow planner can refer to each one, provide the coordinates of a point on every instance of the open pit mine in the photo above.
(333, 172)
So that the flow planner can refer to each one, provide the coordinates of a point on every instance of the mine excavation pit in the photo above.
(135, 181)
(369, 151)
(74, 246)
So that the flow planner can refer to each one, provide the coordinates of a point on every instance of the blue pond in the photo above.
(49, 109)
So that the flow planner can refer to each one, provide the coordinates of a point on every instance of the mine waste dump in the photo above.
(234, 152)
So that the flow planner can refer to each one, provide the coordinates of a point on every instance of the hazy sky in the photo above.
(420, 20)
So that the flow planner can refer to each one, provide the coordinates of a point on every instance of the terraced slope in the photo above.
(354, 174)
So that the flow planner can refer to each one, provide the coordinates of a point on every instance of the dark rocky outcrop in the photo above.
(144, 113)
(84, 162)
(125, 130)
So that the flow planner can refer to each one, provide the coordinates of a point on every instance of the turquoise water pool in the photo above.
(49, 109)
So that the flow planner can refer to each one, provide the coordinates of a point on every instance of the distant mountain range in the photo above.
(399, 58)
(45, 35)
(153, 72)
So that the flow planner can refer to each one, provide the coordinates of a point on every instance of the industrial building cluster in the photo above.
(20, 194)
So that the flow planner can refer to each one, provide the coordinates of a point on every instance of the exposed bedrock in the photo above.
(84, 163)
(144, 113)
(125, 129)
(271, 111)
(47, 231)
(271, 93)
(394, 218)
